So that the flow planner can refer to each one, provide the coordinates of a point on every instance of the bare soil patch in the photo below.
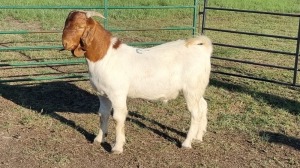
(52, 125)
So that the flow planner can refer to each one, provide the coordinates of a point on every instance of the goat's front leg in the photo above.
(120, 113)
(104, 112)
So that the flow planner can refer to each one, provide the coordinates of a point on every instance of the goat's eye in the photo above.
(79, 27)
(82, 43)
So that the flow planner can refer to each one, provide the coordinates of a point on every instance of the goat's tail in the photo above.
(200, 40)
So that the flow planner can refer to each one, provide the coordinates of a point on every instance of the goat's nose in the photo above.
(65, 44)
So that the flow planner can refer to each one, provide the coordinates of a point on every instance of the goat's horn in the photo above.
(92, 13)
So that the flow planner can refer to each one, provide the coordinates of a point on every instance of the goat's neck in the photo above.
(99, 44)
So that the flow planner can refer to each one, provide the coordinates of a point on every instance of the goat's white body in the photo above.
(153, 73)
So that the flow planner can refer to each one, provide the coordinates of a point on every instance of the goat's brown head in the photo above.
(78, 32)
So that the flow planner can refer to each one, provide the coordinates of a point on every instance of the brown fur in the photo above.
(96, 41)
(191, 41)
(117, 44)
(86, 36)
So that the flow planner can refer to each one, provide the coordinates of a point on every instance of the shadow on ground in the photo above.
(278, 138)
(50, 98)
(136, 118)
(53, 97)
(292, 106)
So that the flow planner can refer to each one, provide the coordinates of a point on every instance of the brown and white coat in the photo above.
(119, 71)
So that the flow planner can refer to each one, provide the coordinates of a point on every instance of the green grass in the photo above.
(268, 5)
(289, 6)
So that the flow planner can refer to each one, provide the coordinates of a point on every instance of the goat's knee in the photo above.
(105, 105)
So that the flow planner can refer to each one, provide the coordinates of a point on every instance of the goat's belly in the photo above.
(154, 93)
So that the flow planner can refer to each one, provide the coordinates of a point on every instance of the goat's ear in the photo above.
(88, 35)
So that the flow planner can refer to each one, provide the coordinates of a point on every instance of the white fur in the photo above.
(153, 73)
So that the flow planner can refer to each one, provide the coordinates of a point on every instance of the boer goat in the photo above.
(118, 71)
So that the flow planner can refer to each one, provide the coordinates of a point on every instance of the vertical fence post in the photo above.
(195, 16)
(204, 16)
(297, 56)
(106, 14)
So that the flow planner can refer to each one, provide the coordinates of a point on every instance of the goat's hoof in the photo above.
(115, 151)
(186, 145)
(198, 140)
(98, 140)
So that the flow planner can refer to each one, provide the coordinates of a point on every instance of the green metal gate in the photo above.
(30, 53)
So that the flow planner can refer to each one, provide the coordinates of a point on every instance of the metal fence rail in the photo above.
(106, 8)
(295, 54)
(193, 28)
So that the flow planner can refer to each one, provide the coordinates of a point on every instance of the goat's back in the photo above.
(162, 71)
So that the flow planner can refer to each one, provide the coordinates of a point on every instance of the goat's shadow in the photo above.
(53, 97)
(50, 98)
(292, 106)
(278, 138)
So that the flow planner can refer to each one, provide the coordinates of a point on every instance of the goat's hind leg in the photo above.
(203, 120)
(104, 112)
(192, 101)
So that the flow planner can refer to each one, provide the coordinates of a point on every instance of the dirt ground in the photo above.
(53, 125)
